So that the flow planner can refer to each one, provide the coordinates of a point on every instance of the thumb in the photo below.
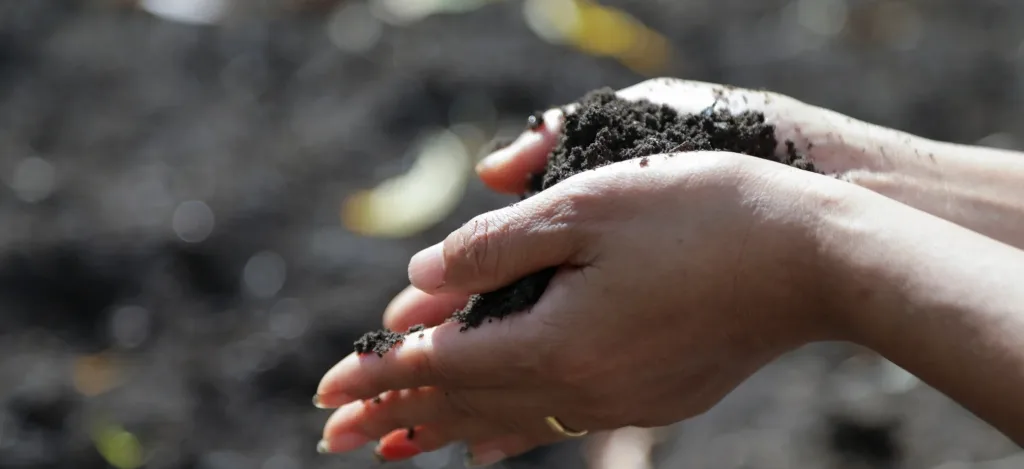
(508, 169)
(497, 248)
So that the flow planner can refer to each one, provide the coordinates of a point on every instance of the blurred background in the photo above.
(203, 202)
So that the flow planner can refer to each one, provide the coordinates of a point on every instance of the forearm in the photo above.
(979, 188)
(943, 302)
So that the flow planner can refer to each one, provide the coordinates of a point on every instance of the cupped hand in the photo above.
(678, 280)
(835, 143)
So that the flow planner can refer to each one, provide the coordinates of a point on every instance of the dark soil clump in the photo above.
(378, 342)
(500, 303)
(381, 341)
(606, 129)
(535, 121)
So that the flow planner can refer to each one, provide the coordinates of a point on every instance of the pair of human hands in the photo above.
(678, 280)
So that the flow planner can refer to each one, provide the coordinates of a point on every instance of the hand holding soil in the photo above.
(666, 280)
(679, 279)
(972, 186)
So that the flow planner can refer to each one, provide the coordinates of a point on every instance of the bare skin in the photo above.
(672, 244)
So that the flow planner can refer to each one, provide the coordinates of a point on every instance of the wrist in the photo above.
(938, 300)
(854, 272)
(974, 187)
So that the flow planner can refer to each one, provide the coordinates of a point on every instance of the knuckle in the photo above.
(459, 402)
(477, 243)
(424, 368)
(381, 418)
(575, 205)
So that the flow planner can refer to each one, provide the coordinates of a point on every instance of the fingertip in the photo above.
(508, 169)
(427, 269)
(331, 392)
(413, 306)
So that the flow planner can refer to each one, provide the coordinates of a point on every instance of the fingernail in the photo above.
(332, 401)
(426, 268)
(342, 443)
(483, 459)
(508, 153)
(396, 449)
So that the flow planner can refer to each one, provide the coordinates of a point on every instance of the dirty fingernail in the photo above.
(483, 459)
(426, 268)
(323, 447)
(509, 152)
(396, 450)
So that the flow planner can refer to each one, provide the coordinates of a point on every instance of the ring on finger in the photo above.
(561, 429)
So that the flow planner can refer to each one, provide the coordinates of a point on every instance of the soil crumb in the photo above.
(414, 329)
(378, 342)
(502, 302)
(606, 129)
(410, 433)
(381, 341)
(535, 121)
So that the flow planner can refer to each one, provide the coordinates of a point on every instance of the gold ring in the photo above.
(557, 426)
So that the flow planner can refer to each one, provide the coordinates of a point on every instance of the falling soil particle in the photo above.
(606, 129)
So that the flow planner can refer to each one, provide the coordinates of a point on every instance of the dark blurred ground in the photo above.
(125, 139)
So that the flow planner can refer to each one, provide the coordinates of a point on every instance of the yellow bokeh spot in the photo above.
(412, 202)
(600, 31)
(120, 448)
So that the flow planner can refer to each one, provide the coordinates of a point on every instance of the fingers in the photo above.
(413, 307)
(497, 248)
(432, 437)
(374, 418)
(691, 97)
(440, 356)
(834, 142)
(434, 421)
(508, 169)
(438, 418)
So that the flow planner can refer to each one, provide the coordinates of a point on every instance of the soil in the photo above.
(380, 341)
(607, 129)
(535, 121)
